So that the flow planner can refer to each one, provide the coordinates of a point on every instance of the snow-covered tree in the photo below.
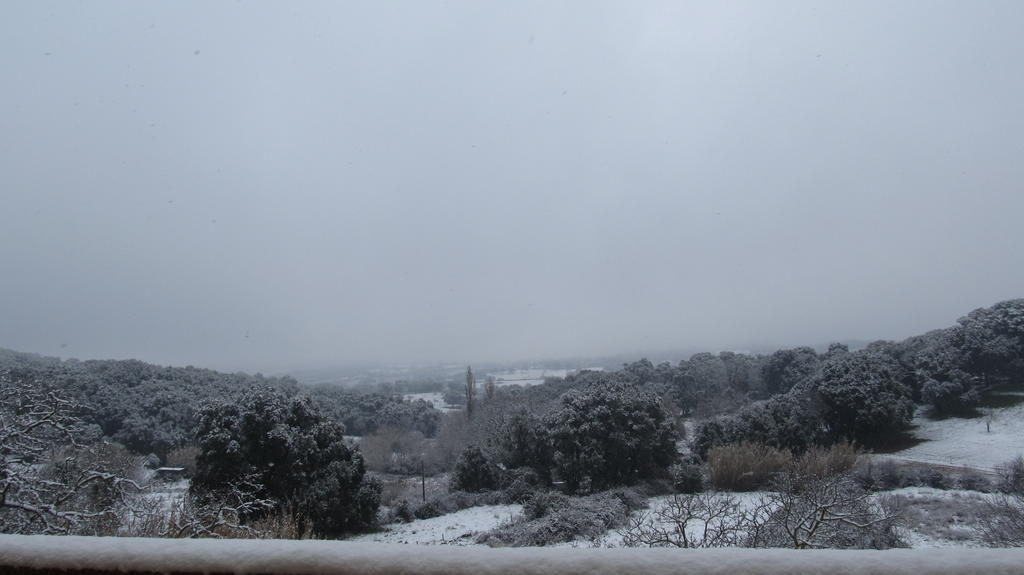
(475, 471)
(993, 340)
(787, 368)
(52, 481)
(860, 398)
(611, 434)
(298, 458)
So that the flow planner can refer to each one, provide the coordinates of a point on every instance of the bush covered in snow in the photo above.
(55, 477)
(405, 510)
(475, 471)
(610, 435)
(292, 454)
(551, 518)
(1010, 476)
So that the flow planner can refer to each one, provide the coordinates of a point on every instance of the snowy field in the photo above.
(526, 377)
(934, 519)
(961, 442)
(459, 528)
(436, 398)
(939, 518)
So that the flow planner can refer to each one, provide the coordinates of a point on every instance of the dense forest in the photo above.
(267, 454)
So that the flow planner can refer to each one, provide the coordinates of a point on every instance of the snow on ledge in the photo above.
(339, 557)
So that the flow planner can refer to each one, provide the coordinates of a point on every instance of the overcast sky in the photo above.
(253, 186)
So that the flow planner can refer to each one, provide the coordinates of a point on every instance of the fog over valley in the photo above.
(251, 186)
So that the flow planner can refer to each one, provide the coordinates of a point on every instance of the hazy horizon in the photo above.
(263, 187)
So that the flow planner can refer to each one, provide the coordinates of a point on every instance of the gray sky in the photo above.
(256, 186)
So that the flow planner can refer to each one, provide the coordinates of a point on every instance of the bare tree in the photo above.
(807, 512)
(1002, 521)
(225, 516)
(237, 512)
(689, 521)
(50, 481)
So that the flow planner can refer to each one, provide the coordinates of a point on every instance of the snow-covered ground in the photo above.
(526, 377)
(459, 528)
(933, 518)
(613, 539)
(434, 397)
(938, 518)
(168, 495)
(968, 442)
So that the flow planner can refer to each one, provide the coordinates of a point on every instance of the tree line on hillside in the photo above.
(793, 399)
(270, 450)
(153, 409)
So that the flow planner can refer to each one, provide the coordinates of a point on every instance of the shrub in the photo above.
(889, 475)
(973, 481)
(543, 502)
(1010, 476)
(926, 477)
(428, 510)
(1002, 522)
(633, 499)
(719, 519)
(555, 518)
(825, 462)
(833, 512)
(610, 434)
(520, 483)
(687, 478)
(745, 466)
(292, 455)
(439, 505)
(403, 512)
(475, 472)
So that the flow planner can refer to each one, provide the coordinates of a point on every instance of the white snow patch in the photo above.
(525, 377)
(436, 398)
(614, 539)
(941, 506)
(458, 528)
(967, 442)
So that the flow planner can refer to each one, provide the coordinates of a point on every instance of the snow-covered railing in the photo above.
(50, 554)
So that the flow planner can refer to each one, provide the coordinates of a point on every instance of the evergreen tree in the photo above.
(470, 392)
(292, 454)
(610, 435)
